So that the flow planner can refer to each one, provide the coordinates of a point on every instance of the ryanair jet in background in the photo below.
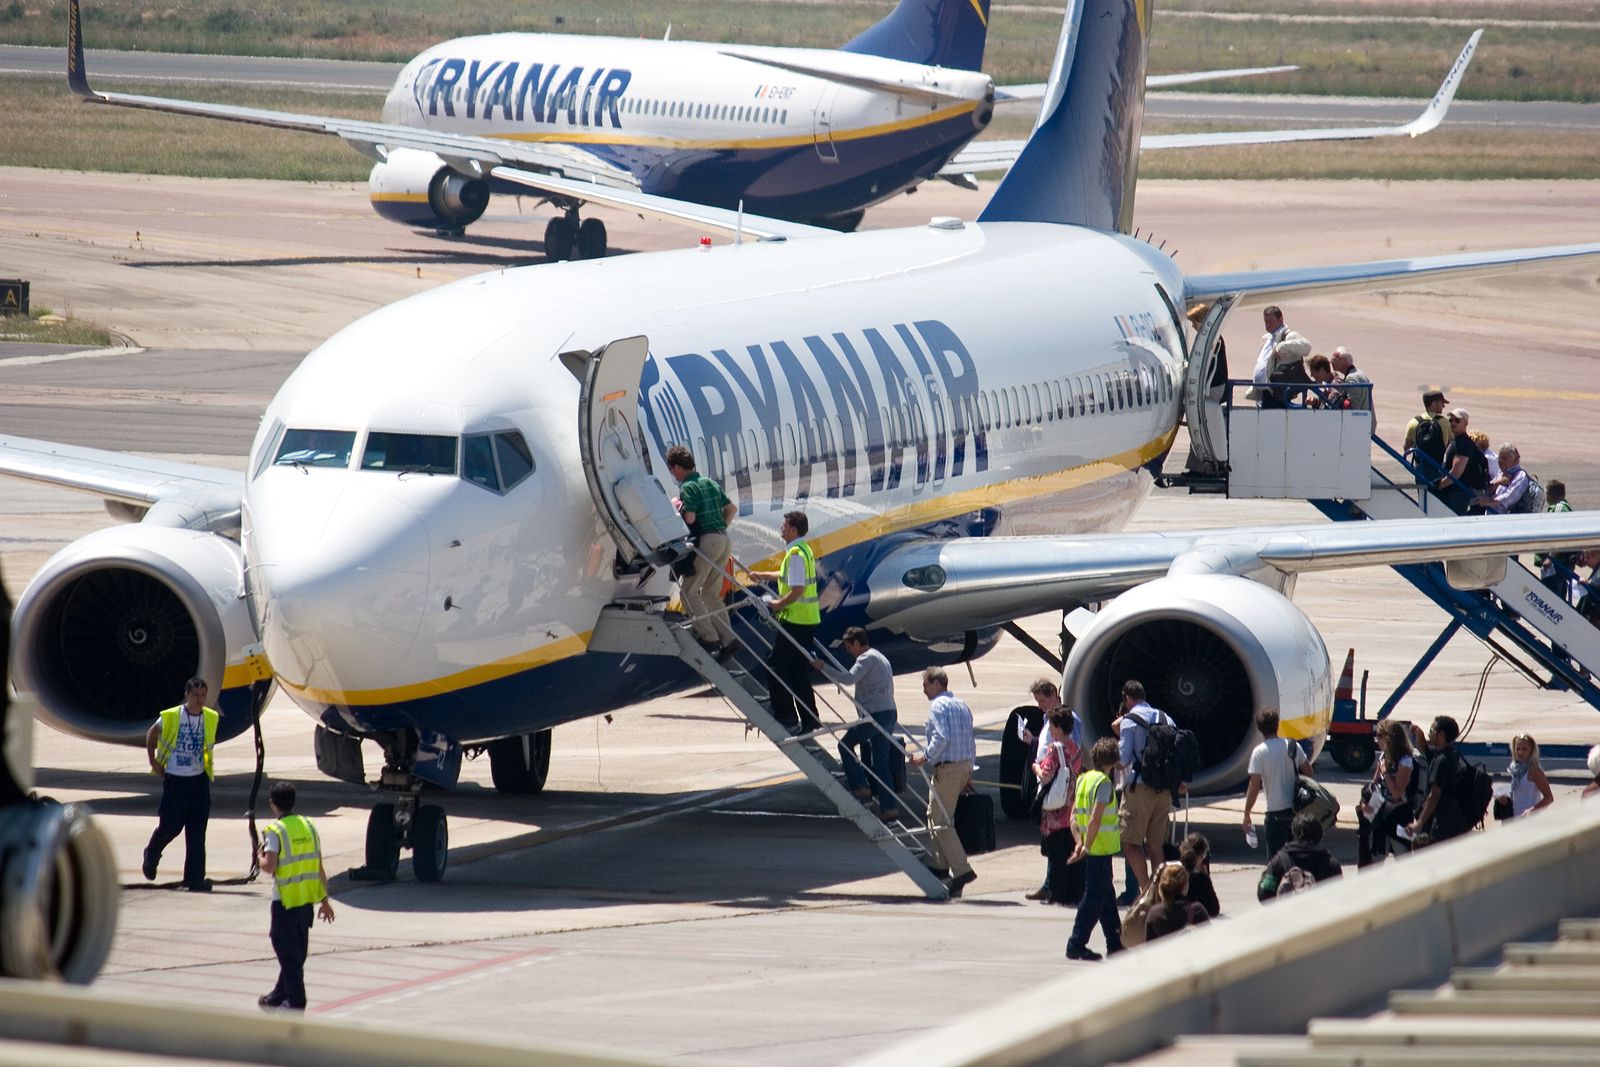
(430, 531)
(684, 131)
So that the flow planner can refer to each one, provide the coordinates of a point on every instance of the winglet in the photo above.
(1434, 113)
(77, 71)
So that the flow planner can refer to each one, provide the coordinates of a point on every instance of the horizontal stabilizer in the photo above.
(1035, 90)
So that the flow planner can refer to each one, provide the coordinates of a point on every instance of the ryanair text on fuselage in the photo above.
(542, 92)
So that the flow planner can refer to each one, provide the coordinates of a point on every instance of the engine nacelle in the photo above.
(1210, 650)
(113, 625)
(419, 189)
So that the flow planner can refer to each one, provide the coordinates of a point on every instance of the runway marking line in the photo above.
(417, 985)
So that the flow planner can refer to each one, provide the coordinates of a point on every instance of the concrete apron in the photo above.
(1339, 948)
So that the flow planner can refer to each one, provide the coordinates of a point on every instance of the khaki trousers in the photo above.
(702, 590)
(949, 779)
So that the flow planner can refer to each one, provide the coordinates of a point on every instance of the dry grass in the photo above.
(47, 126)
(1396, 51)
(71, 331)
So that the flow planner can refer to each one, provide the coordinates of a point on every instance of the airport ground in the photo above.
(674, 892)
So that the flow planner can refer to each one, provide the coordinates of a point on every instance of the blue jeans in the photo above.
(1099, 905)
(882, 757)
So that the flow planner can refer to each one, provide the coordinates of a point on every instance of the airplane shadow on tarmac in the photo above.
(489, 252)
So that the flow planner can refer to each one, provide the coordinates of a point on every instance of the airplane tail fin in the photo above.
(1079, 166)
(941, 33)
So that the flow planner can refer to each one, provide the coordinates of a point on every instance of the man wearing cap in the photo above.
(1468, 476)
(1428, 434)
(1344, 365)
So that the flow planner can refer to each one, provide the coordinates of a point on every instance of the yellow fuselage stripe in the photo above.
(889, 522)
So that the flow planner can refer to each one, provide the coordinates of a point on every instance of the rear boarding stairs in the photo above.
(1343, 469)
(650, 534)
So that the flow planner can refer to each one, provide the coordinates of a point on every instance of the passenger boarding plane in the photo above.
(688, 132)
(427, 531)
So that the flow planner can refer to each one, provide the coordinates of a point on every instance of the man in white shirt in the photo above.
(1506, 488)
(1275, 764)
(179, 746)
(1281, 348)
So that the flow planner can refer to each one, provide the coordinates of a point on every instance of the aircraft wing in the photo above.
(981, 156)
(937, 587)
(1035, 90)
(186, 494)
(665, 208)
(1380, 274)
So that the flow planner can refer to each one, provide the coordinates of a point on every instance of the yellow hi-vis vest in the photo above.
(1108, 839)
(298, 875)
(805, 610)
(169, 736)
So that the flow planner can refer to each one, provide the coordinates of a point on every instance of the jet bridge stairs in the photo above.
(1339, 466)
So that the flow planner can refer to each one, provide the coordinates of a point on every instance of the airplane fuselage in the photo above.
(915, 406)
(708, 123)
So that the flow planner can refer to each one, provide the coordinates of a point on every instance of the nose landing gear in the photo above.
(403, 821)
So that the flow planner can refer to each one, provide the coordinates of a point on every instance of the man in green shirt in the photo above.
(707, 511)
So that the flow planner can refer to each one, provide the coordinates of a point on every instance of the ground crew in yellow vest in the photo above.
(799, 614)
(291, 852)
(179, 746)
(1094, 825)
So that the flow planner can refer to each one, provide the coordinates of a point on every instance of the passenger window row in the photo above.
(687, 109)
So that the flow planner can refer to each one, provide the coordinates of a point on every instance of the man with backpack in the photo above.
(1428, 434)
(1147, 752)
(1513, 491)
(1444, 807)
(1275, 764)
(1300, 864)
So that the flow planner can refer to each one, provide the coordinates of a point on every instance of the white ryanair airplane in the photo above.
(692, 132)
(428, 528)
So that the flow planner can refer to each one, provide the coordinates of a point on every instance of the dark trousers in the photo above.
(1099, 905)
(1063, 879)
(1278, 825)
(185, 807)
(882, 759)
(791, 670)
(291, 940)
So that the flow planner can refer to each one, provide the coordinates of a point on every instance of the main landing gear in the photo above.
(565, 235)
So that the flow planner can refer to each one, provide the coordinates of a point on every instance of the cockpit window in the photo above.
(409, 453)
(315, 448)
(496, 461)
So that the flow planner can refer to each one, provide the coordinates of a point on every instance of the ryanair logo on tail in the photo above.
(536, 92)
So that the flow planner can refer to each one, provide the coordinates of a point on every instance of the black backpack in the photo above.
(1430, 441)
(1158, 761)
(1474, 789)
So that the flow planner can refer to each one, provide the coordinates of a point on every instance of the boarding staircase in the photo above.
(1541, 1005)
(1514, 614)
(646, 627)
(1332, 459)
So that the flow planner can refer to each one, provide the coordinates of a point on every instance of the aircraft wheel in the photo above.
(520, 765)
(430, 844)
(591, 239)
(383, 842)
(1016, 766)
(558, 238)
(1354, 754)
(58, 893)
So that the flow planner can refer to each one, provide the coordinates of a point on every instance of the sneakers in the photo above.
(955, 885)
(1082, 952)
(150, 862)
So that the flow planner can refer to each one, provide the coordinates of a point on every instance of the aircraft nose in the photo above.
(340, 578)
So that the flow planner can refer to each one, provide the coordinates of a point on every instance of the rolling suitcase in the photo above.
(974, 820)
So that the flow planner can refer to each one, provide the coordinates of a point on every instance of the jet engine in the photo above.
(419, 189)
(1210, 650)
(113, 625)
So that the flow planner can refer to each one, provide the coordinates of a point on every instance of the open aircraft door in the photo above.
(629, 497)
(1202, 405)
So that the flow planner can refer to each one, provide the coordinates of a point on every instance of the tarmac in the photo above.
(676, 891)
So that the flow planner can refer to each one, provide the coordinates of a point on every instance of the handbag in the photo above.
(1055, 798)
